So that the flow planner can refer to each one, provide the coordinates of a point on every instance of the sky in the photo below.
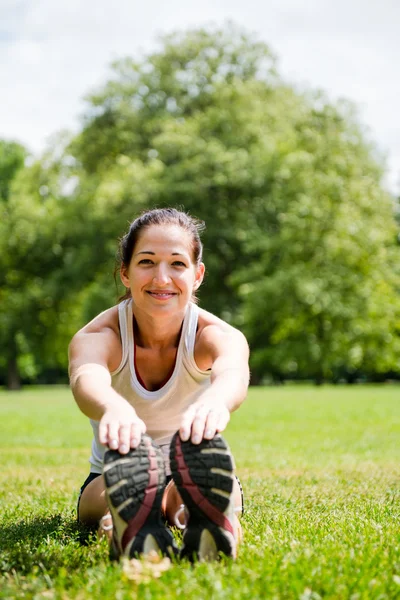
(55, 52)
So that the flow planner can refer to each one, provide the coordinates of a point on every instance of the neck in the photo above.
(156, 332)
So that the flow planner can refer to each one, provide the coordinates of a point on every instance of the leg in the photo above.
(93, 507)
(171, 504)
(93, 503)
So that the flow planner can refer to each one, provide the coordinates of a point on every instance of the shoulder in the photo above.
(215, 338)
(210, 326)
(105, 322)
(98, 341)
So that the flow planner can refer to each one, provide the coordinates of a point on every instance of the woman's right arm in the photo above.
(91, 352)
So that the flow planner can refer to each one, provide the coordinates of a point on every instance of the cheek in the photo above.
(138, 278)
(187, 279)
(142, 279)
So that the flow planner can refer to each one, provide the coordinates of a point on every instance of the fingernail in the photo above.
(113, 444)
(208, 433)
(135, 442)
(196, 439)
(123, 449)
(184, 436)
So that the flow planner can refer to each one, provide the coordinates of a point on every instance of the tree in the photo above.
(326, 276)
(12, 157)
(300, 241)
(44, 263)
(299, 231)
(166, 122)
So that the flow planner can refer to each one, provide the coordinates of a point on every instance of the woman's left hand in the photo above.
(203, 420)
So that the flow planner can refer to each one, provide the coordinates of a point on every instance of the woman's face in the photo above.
(162, 275)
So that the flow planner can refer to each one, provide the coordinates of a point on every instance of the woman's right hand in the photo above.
(120, 428)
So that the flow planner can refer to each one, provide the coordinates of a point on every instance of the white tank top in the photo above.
(161, 410)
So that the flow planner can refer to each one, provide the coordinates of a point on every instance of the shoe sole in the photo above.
(135, 484)
(203, 474)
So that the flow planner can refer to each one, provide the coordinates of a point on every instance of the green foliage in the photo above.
(44, 263)
(177, 82)
(322, 258)
(12, 156)
(300, 239)
(300, 245)
(322, 508)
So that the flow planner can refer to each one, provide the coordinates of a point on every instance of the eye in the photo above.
(178, 263)
(145, 261)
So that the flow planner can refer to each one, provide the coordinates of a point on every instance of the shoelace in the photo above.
(181, 510)
(103, 526)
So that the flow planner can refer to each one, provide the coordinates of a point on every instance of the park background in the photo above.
(301, 240)
(282, 134)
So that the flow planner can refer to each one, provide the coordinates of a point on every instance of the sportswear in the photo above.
(204, 476)
(135, 484)
(162, 409)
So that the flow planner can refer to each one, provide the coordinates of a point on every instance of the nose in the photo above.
(161, 275)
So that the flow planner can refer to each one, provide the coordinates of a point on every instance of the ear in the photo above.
(199, 276)
(123, 273)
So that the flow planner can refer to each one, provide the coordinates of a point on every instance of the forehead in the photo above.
(164, 238)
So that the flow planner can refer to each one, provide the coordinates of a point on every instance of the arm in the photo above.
(229, 354)
(91, 354)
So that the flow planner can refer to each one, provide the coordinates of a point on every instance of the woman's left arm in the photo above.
(229, 354)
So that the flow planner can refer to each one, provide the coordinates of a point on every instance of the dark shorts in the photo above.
(91, 477)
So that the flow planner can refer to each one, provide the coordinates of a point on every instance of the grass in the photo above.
(320, 468)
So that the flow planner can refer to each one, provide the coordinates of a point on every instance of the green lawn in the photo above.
(321, 473)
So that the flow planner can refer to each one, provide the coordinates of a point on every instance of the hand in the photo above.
(120, 428)
(203, 420)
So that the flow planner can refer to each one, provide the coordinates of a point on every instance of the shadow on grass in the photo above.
(47, 543)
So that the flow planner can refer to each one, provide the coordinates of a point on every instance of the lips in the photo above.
(161, 295)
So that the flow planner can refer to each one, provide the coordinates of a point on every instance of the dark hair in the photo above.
(160, 216)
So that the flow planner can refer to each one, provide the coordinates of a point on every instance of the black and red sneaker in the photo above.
(204, 476)
(135, 484)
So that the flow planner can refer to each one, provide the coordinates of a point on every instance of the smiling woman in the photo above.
(162, 267)
(158, 377)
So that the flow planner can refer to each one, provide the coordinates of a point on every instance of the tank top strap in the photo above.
(123, 318)
(191, 330)
(190, 340)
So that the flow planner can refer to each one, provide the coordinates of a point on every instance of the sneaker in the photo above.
(135, 485)
(204, 476)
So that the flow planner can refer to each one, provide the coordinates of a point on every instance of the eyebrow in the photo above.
(153, 253)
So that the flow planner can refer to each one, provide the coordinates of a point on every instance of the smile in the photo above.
(162, 295)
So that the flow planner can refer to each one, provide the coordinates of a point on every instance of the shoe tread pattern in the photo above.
(134, 467)
(136, 473)
(201, 467)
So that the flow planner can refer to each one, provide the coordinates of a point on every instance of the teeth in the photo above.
(161, 295)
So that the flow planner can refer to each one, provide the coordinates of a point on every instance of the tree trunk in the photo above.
(351, 378)
(319, 379)
(255, 379)
(13, 376)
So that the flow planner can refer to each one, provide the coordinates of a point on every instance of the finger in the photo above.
(113, 436)
(124, 439)
(210, 426)
(186, 424)
(136, 431)
(198, 426)
(223, 420)
(103, 432)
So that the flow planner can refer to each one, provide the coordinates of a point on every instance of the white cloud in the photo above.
(54, 53)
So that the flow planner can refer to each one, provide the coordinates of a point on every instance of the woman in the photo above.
(158, 377)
